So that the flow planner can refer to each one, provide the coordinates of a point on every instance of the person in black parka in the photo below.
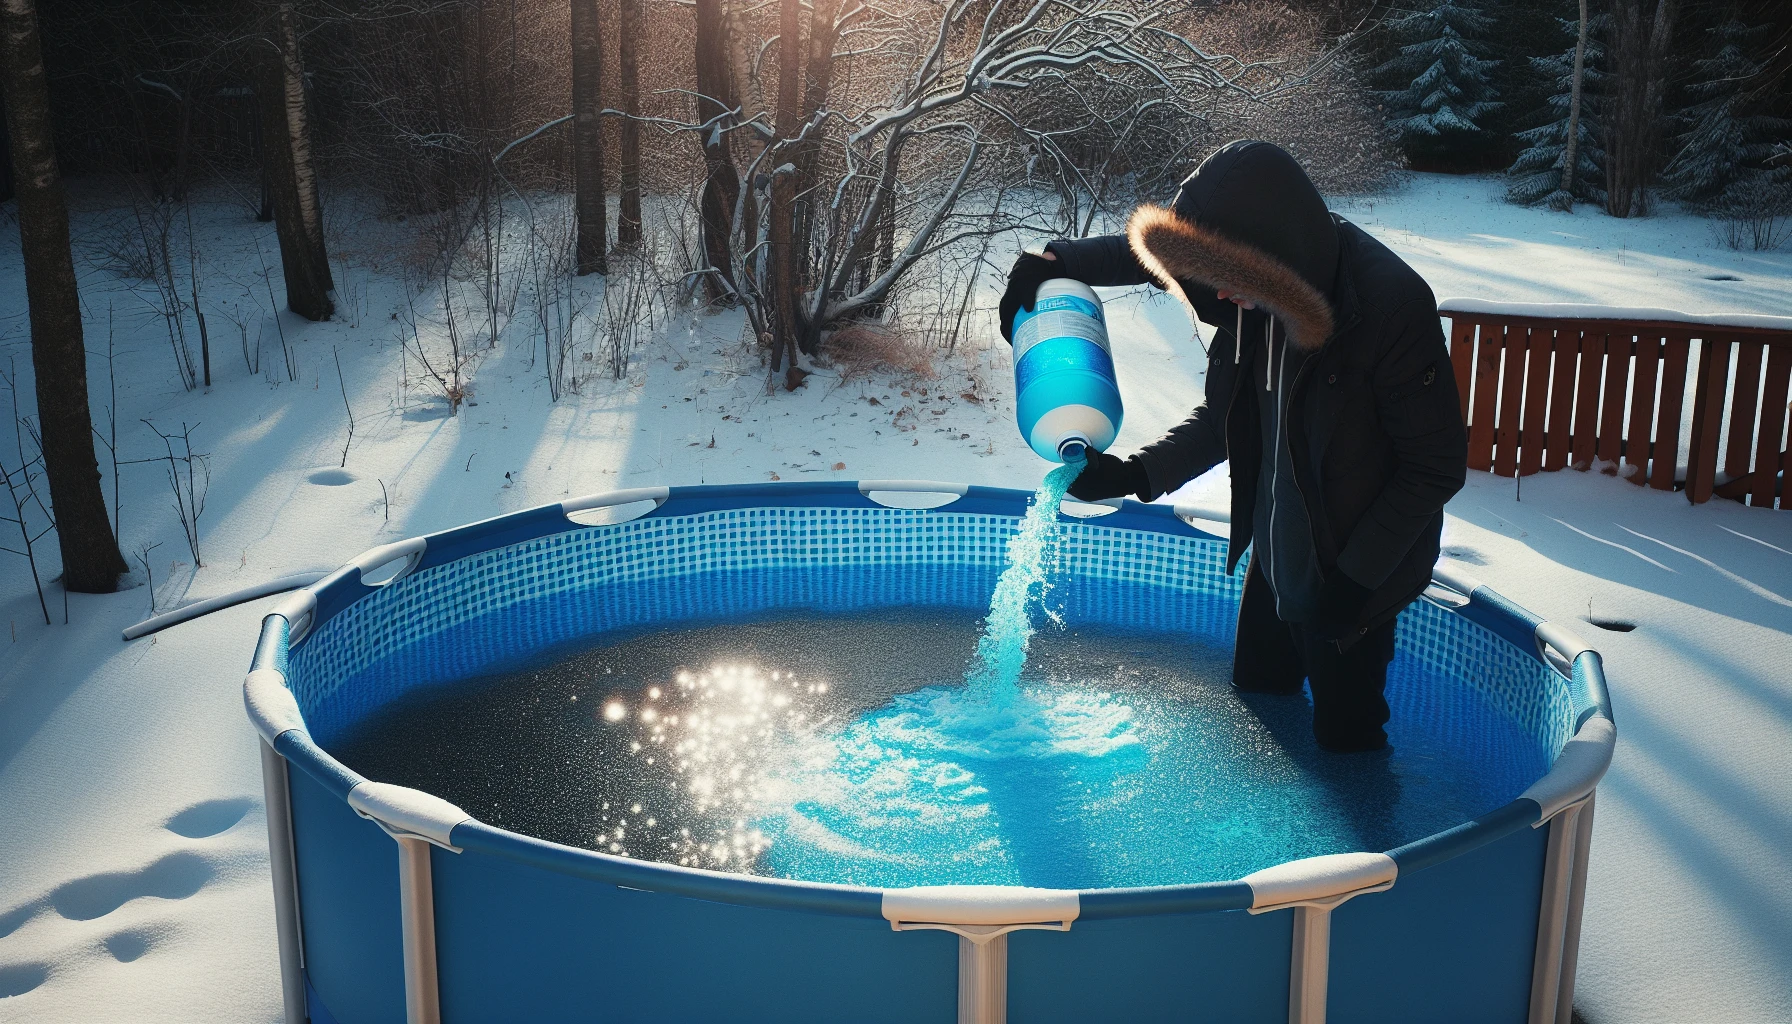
(1330, 390)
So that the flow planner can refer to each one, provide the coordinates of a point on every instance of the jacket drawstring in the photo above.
(1269, 347)
(1275, 458)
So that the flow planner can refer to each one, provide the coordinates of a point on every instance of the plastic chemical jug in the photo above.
(1066, 399)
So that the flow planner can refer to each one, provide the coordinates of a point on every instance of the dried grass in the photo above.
(864, 349)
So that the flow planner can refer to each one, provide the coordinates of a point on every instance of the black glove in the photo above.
(1341, 603)
(1109, 476)
(1030, 270)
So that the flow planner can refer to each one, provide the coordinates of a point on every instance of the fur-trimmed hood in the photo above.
(1176, 250)
(1247, 221)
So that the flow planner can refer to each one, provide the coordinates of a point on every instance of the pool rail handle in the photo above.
(981, 915)
(189, 612)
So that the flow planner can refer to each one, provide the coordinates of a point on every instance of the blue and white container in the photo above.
(1066, 399)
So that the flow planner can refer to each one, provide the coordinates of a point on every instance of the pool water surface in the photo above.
(848, 749)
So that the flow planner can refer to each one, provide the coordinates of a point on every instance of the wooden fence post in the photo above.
(1707, 417)
(1611, 408)
(1742, 407)
(1665, 461)
(1541, 339)
(1487, 385)
(1768, 453)
(1586, 398)
(1462, 357)
(1505, 452)
(1561, 396)
(1645, 366)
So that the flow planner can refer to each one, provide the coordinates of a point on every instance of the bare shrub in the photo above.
(189, 477)
(29, 513)
(1330, 124)
(631, 293)
(549, 261)
(1755, 213)
(443, 372)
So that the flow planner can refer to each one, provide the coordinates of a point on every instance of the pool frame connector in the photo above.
(982, 916)
(1313, 887)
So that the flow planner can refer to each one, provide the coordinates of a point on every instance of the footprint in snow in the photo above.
(11, 920)
(130, 945)
(208, 818)
(18, 979)
(331, 477)
(1464, 554)
(174, 877)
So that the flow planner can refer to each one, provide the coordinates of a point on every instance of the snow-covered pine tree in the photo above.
(1726, 140)
(1537, 173)
(1442, 82)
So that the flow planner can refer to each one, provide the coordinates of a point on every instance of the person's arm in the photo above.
(1417, 401)
(1100, 261)
(1198, 443)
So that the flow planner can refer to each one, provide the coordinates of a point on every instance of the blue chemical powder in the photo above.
(1002, 651)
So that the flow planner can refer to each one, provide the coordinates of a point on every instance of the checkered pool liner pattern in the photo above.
(500, 608)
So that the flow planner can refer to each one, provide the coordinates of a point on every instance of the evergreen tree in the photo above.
(1727, 140)
(1443, 83)
(1537, 173)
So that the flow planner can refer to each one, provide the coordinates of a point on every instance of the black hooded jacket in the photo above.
(1374, 424)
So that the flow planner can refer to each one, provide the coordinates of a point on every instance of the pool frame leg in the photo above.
(1559, 914)
(276, 798)
(983, 980)
(1309, 971)
(1577, 901)
(417, 913)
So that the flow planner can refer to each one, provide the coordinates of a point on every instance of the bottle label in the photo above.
(1075, 302)
(1046, 324)
(1061, 354)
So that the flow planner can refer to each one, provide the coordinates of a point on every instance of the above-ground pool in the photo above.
(1475, 916)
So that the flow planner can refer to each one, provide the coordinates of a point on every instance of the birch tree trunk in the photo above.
(721, 183)
(91, 563)
(628, 222)
(292, 176)
(588, 138)
(1571, 151)
(783, 256)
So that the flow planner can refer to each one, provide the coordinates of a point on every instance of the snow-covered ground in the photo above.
(133, 877)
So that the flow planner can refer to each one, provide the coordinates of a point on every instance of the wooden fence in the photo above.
(1546, 386)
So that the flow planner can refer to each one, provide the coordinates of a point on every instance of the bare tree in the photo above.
(721, 182)
(1642, 34)
(855, 185)
(628, 220)
(588, 137)
(783, 255)
(91, 562)
(291, 172)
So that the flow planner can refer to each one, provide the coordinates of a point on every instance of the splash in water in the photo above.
(992, 716)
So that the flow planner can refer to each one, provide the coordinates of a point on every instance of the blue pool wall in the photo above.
(529, 930)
